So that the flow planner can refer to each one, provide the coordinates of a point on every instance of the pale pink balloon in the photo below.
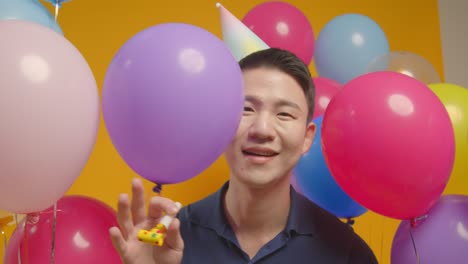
(49, 111)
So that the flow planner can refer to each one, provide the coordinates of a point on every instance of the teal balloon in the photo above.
(318, 185)
(30, 10)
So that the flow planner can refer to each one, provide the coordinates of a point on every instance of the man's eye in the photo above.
(285, 114)
(248, 109)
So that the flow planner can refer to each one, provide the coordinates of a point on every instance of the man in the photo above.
(256, 217)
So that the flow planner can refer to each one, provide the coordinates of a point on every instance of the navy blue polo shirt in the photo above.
(311, 235)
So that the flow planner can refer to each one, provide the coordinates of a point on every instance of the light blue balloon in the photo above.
(30, 10)
(346, 46)
(318, 185)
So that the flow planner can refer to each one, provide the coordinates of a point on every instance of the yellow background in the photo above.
(99, 28)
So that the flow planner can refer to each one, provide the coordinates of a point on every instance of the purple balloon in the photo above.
(441, 238)
(172, 101)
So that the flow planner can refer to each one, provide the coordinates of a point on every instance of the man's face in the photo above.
(274, 131)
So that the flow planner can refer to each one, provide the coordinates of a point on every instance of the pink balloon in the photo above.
(325, 89)
(282, 25)
(81, 235)
(49, 108)
(389, 143)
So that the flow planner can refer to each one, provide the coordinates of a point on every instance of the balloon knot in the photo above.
(32, 218)
(157, 188)
(350, 221)
(417, 220)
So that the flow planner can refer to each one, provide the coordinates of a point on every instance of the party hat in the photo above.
(238, 37)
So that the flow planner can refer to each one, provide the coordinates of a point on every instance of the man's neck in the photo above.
(257, 211)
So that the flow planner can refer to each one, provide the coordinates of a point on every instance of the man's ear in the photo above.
(309, 137)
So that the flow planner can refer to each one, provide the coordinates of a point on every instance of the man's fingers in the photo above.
(138, 202)
(124, 215)
(160, 205)
(174, 239)
(117, 240)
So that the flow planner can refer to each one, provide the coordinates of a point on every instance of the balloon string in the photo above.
(24, 254)
(4, 239)
(382, 241)
(54, 224)
(19, 248)
(414, 247)
(31, 220)
(370, 232)
(56, 9)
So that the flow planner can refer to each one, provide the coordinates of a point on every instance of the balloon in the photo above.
(49, 104)
(57, 2)
(407, 63)
(282, 25)
(81, 234)
(319, 186)
(440, 238)
(172, 101)
(389, 143)
(325, 89)
(29, 10)
(455, 99)
(346, 46)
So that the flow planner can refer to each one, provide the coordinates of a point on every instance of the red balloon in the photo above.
(325, 89)
(282, 25)
(389, 143)
(81, 235)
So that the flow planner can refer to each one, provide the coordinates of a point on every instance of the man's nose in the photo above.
(262, 127)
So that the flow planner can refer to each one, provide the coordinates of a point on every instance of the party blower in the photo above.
(157, 234)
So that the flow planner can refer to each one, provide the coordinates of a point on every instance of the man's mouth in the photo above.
(260, 152)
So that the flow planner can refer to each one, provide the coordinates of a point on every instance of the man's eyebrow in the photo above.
(283, 102)
(279, 103)
(252, 99)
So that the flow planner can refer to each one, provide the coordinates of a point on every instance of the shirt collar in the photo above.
(209, 213)
(301, 215)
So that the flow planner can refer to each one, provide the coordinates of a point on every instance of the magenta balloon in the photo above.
(389, 143)
(81, 235)
(282, 25)
(441, 238)
(172, 101)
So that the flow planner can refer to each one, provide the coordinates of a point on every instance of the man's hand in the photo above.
(132, 217)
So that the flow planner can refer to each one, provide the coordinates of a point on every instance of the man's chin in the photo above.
(261, 182)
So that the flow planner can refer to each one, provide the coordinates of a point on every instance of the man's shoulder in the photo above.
(198, 210)
(324, 222)
(334, 233)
